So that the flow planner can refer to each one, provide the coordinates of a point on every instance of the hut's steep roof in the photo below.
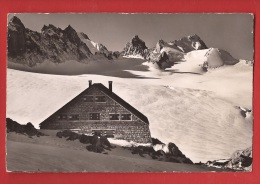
(112, 95)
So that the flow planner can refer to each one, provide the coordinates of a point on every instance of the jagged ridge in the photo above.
(54, 44)
(190, 43)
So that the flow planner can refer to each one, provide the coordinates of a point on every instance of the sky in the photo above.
(231, 32)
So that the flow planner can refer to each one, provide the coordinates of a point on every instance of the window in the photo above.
(94, 116)
(109, 132)
(73, 117)
(100, 99)
(126, 117)
(104, 132)
(62, 117)
(88, 99)
(114, 116)
(96, 132)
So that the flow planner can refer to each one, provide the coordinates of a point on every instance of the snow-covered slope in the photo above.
(199, 61)
(197, 112)
(167, 54)
(232, 83)
(97, 65)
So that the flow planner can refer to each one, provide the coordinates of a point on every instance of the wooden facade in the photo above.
(99, 109)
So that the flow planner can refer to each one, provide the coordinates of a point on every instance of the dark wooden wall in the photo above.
(131, 130)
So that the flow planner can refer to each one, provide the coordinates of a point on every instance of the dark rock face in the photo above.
(135, 47)
(28, 129)
(72, 35)
(16, 37)
(176, 155)
(174, 150)
(138, 43)
(61, 45)
(163, 60)
(156, 141)
(227, 58)
(54, 44)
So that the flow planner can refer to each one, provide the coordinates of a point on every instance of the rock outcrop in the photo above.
(97, 142)
(162, 152)
(240, 160)
(163, 61)
(171, 153)
(135, 48)
(28, 129)
(165, 54)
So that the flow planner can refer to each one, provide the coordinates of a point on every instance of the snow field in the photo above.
(204, 124)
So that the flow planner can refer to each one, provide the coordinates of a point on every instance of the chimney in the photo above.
(89, 83)
(110, 85)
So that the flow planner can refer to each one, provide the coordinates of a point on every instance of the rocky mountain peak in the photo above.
(15, 20)
(190, 43)
(72, 35)
(16, 37)
(70, 29)
(135, 38)
(195, 36)
(136, 47)
(51, 30)
(15, 24)
(44, 27)
(137, 42)
(160, 44)
(50, 26)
